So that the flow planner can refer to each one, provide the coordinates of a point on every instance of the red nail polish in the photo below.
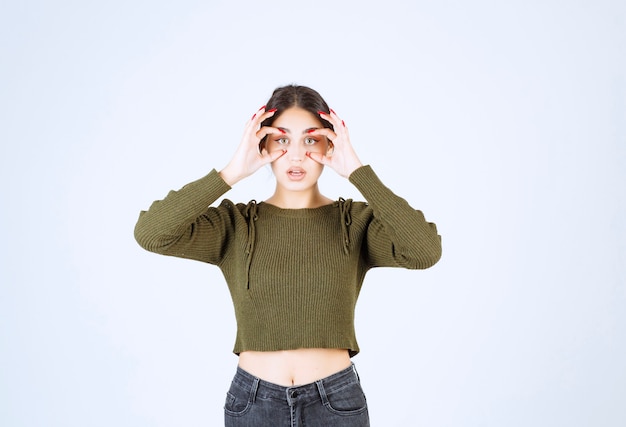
(253, 116)
(281, 131)
(343, 123)
(322, 112)
(272, 110)
(261, 108)
(332, 111)
(311, 130)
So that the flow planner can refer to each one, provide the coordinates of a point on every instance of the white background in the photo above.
(505, 122)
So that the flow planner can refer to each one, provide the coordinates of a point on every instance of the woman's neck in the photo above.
(286, 199)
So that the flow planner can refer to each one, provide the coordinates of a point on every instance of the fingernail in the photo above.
(253, 116)
(281, 131)
(321, 112)
(343, 123)
(272, 110)
(332, 111)
(311, 130)
(261, 108)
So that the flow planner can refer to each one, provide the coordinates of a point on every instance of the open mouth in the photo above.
(296, 173)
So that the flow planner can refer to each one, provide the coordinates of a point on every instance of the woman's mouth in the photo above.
(296, 174)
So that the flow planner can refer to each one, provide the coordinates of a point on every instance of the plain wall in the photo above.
(504, 122)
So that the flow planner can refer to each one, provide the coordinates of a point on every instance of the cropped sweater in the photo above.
(294, 275)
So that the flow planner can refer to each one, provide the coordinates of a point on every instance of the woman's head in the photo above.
(290, 96)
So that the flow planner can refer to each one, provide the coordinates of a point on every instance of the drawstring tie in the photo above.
(251, 214)
(346, 220)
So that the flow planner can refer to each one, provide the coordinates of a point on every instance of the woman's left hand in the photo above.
(340, 156)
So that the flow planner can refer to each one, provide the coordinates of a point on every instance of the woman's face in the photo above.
(295, 170)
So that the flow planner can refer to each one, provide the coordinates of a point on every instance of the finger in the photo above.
(332, 117)
(275, 155)
(261, 114)
(339, 119)
(328, 133)
(270, 157)
(257, 112)
(267, 114)
(318, 157)
(268, 130)
(336, 116)
(340, 129)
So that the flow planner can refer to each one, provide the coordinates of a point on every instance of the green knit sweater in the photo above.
(294, 274)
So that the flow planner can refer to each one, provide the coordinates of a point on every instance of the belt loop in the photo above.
(254, 389)
(320, 388)
(356, 373)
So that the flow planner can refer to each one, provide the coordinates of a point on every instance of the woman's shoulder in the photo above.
(238, 207)
(229, 210)
(356, 208)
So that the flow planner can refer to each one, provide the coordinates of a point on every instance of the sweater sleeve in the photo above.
(398, 235)
(184, 225)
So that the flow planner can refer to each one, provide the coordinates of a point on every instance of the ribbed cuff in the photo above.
(368, 184)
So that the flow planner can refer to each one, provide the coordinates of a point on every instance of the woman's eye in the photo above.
(282, 141)
(310, 141)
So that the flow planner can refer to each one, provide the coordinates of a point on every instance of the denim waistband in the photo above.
(266, 390)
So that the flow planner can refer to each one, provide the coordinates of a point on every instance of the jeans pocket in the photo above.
(349, 400)
(237, 401)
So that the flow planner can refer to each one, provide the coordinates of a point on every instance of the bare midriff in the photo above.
(294, 367)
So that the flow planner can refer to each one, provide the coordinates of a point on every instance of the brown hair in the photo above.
(290, 96)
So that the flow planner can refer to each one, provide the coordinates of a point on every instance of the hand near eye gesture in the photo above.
(247, 158)
(340, 156)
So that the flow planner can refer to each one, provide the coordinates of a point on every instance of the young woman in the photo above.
(294, 263)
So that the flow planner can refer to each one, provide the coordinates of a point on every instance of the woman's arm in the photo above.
(398, 235)
(183, 225)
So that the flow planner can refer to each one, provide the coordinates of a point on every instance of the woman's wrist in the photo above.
(228, 176)
(354, 167)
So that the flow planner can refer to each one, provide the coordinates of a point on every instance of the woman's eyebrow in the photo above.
(304, 132)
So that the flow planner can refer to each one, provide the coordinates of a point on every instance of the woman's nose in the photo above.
(296, 152)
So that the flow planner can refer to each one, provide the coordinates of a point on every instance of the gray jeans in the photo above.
(337, 400)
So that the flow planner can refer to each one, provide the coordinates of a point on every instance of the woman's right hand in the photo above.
(248, 159)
